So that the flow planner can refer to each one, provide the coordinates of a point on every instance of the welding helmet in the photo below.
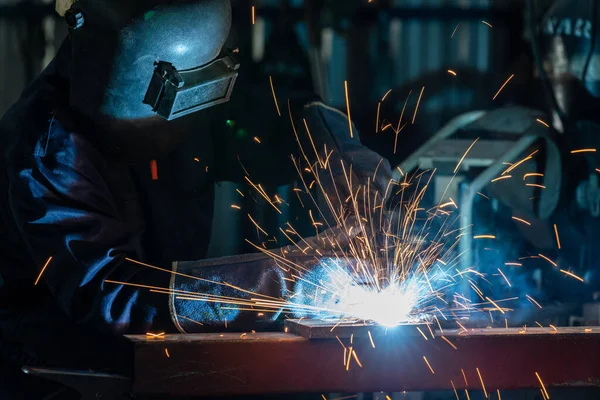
(135, 60)
(564, 34)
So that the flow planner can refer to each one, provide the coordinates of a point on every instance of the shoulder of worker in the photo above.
(32, 129)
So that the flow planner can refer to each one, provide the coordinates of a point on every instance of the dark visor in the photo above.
(173, 94)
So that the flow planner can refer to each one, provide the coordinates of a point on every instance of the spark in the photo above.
(483, 195)
(261, 191)
(484, 237)
(502, 87)
(429, 365)
(464, 155)
(430, 331)
(155, 335)
(356, 358)
(455, 392)
(349, 358)
(348, 107)
(450, 343)
(553, 327)
(257, 226)
(253, 15)
(421, 332)
(464, 377)
(439, 325)
(450, 203)
(557, 238)
(387, 397)
(42, 271)
(386, 95)
(417, 107)
(490, 25)
(371, 339)
(495, 305)
(498, 391)
(454, 31)
(545, 392)
(515, 165)
(196, 159)
(571, 275)
(538, 324)
(583, 151)
(240, 192)
(482, 384)
(535, 185)
(377, 118)
(236, 207)
(256, 139)
(547, 259)
(501, 177)
(191, 320)
(467, 393)
(522, 220)
(542, 122)
(533, 301)
(532, 174)
(451, 72)
(167, 353)
(273, 91)
(504, 276)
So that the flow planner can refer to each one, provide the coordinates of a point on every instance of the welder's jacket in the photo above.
(68, 201)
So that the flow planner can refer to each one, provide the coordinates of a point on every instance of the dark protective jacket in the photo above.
(89, 212)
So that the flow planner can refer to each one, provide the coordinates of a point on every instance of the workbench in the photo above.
(270, 363)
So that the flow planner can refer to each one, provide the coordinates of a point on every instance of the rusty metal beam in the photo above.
(323, 329)
(269, 363)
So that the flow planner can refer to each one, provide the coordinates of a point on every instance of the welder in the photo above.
(111, 157)
(559, 194)
(567, 59)
(564, 43)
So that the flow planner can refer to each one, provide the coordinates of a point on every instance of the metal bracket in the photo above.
(91, 385)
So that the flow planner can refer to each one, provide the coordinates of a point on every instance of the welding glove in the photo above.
(349, 177)
(247, 291)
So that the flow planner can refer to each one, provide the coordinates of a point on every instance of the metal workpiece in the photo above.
(280, 363)
(326, 329)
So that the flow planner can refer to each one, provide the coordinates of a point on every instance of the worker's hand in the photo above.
(224, 292)
(349, 177)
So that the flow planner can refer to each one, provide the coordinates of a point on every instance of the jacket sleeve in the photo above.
(251, 291)
(65, 210)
